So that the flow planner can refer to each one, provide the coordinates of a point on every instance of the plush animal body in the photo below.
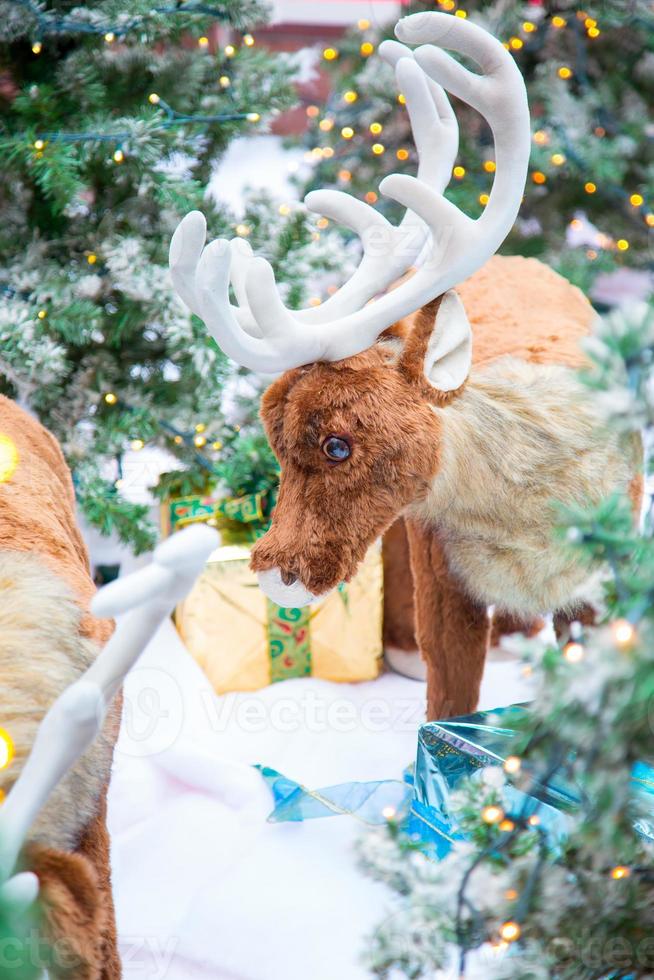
(47, 640)
(466, 418)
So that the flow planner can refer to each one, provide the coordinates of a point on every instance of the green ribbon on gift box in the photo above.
(241, 521)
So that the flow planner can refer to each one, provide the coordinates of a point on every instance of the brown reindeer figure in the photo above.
(383, 411)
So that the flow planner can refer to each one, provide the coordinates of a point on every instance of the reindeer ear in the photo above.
(449, 349)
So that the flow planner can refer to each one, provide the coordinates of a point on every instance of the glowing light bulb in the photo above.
(110, 398)
(510, 894)
(284, 209)
(538, 177)
(401, 99)
(402, 154)
(363, 24)
(622, 244)
(39, 144)
(366, 49)
(199, 441)
(489, 166)
(594, 32)
(559, 22)
(350, 96)
(649, 220)
(459, 172)
(153, 98)
(203, 42)
(573, 652)
(635, 199)
(528, 27)
(230, 51)
(242, 230)
(623, 631)
(315, 301)
(461, 13)
(506, 826)
(564, 72)
(326, 125)
(110, 37)
(483, 199)
(347, 132)
(178, 440)
(590, 187)
(370, 197)
(389, 812)
(541, 137)
(516, 43)
(248, 40)
(217, 445)
(510, 932)
(253, 117)
(534, 820)
(312, 111)
(330, 54)
(620, 872)
(344, 175)
(322, 223)
(119, 156)
(8, 458)
(512, 764)
(376, 128)
(6, 749)
(224, 81)
(42, 314)
(491, 814)
(137, 445)
(558, 159)
(378, 148)
(37, 47)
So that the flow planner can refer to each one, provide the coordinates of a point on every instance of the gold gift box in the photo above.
(243, 641)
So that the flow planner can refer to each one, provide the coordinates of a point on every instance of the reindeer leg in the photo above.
(452, 629)
(95, 845)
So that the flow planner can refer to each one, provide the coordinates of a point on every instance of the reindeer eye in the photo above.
(336, 449)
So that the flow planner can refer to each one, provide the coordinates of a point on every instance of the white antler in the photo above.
(145, 598)
(269, 338)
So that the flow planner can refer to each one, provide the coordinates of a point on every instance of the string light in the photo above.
(8, 458)
(153, 98)
(564, 72)
(649, 220)
(242, 230)
(538, 177)
(599, 131)
(636, 200)
(559, 22)
(203, 42)
(110, 398)
(327, 151)
(248, 40)
(39, 144)
(199, 441)
(594, 32)
(178, 440)
(330, 54)
(370, 197)
(6, 749)
(483, 199)
(620, 871)
(119, 156)
(590, 187)
(534, 820)
(510, 894)
(91, 258)
(461, 13)
(137, 445)
(459, 172)
(573, 652)
(326, 125)
(512, 764)
(516, 43)
(558, 159)
(315, 301)
(402, 153)
(623, 632)
(363, 24)
(224, 81)
(344, 175)
(37, 47)
(350, 96)
(217, 445)
(229, 51)
(388, 812)
(322, 223)
(366, 49)
(253, 117)
(541, 137)
(510, 932)
(528, 27)
(42, 314)
(312, 111)
(378, 148)
(284, 209)
(491, 814)
(506, 826)
(110, 37)
(489, 166)
(622, 244)
(376, 128)
(347, 132)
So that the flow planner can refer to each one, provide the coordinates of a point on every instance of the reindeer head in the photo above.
(352, 419)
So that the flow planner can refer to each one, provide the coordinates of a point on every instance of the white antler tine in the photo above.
(346, 210)
(241, 255)
(436, 136)
(272, 317)
(442, 29)
(185, 250)
(443, 218)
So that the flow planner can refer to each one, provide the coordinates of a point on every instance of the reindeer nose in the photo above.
(288, 578)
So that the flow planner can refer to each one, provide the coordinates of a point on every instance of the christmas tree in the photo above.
(575, 905)
(589, 70)
(112, 115)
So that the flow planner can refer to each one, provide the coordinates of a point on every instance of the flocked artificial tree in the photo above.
(533, 905)
(589, 71)
(112, 115)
